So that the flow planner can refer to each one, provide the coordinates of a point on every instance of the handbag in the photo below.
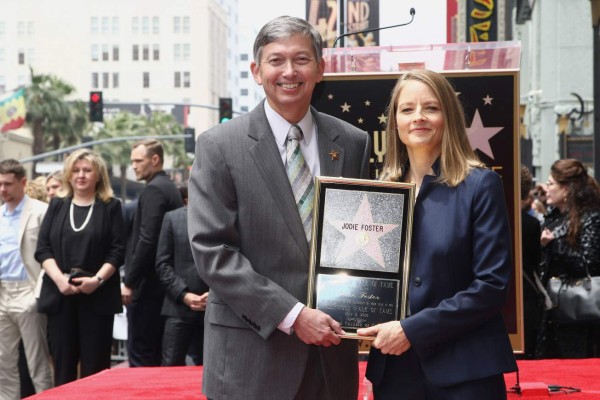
(575, 300)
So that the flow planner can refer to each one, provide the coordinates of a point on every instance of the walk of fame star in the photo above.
(362, 238)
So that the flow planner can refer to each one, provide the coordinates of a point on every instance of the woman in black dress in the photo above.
(82, 231)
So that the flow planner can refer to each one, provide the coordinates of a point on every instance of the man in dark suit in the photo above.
(248, 239)
(142, 291)
(185, 292)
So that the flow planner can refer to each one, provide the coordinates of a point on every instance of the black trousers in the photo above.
(406, 381)
(183, 336)
(79, 336)
(145, 328)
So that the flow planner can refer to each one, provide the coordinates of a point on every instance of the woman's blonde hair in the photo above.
(103, 189)
(457, 158)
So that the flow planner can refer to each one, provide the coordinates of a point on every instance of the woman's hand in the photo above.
(547, 237)
(87, 285)
(390, 337)
(65, 287)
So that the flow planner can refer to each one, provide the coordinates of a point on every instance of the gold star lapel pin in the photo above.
(334, 155)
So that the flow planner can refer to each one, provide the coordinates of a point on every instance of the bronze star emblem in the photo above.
(334, 155)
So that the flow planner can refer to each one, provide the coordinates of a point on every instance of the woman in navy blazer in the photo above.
(454, 344)
(85, 230)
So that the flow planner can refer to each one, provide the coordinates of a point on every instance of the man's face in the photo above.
(289, 71)
(52, 187)
(143, 165)
(12, 189)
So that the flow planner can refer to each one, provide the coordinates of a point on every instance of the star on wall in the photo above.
(382, 119)
(479, 136)
(330, 96)
(487, 100)
(367, 103)
(359, 240)
(360, 120)
(345, 107)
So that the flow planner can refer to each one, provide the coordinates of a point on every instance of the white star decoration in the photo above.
(360, 120)
(479, 136)
(330, 96)
(345, 107)
(367, 103)
(361, 240)
(487, 100)
(382, 119)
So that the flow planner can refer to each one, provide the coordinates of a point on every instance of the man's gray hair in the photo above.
(284, 27)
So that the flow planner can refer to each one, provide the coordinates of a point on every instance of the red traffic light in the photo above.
(95, 97)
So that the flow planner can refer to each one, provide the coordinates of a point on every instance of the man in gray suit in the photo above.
(248, 238)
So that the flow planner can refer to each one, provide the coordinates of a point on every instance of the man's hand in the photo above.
(196, 302)
(126, 293)
(390, 337)
(315, 327)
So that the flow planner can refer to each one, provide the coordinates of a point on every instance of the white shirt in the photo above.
(310, 151)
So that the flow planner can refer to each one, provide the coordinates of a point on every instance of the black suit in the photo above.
(145, 324)
(177, 272)
(531, 255)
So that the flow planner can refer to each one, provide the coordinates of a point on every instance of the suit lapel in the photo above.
(25, 215)
(331, 154)
(268, 162)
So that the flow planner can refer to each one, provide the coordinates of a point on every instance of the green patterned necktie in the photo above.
(300, 178)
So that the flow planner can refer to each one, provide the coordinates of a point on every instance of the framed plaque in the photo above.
(360, 251)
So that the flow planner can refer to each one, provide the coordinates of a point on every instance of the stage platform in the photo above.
(184, 383)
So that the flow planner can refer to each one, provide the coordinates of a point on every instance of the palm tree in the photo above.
(49, 112)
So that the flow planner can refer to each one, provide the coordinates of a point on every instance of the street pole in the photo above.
(596, 68)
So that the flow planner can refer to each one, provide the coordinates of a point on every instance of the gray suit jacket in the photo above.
(250, 248)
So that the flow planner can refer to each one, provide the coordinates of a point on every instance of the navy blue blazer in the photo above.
(460, 270)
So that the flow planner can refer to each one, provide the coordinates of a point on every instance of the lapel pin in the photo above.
(334, 155)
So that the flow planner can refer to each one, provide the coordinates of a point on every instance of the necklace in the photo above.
(87, 219)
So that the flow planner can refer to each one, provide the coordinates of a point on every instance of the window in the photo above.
(244, 57)
(186, 52)
(145, 25)
(186, 79)
(177, 79)
(31, 56)
(176, 24)
(105, 80)
(244, 108)
(30, 29)
(21, 57)
(115, 25)
(177, 52)
(104, 27)
(135, 25)
(115, 52)
(94, 80)
(94, 25)
(186, 24)
(115, 77)
(95, 52)
(244, 75)
(244, 92)
(146, 83)
(156, 52)
(155, 25)
(146, 52)
(105, 52)
(21, 29)
(136, 52)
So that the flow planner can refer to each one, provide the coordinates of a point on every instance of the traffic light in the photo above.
(225, 109)
(190, 140)
(96, 107)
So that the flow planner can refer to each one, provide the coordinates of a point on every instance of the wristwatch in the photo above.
(100, 280)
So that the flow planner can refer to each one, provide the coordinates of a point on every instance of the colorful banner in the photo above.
(362, 15)
(482, 21)
(12, 111)
(324, 15)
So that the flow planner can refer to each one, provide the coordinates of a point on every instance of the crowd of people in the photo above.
(64, 240)
(245, 233)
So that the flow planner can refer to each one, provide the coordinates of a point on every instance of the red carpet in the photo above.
(183, 383)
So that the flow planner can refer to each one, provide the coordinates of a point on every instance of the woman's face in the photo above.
(52, 187)
(419, 117)
(84, 177)
(556, 193)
